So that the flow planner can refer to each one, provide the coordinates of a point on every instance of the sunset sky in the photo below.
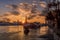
(17, 9)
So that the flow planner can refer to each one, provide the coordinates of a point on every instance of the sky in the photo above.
(3, 3)
(16, 10)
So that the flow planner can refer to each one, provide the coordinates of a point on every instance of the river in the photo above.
(17, 33)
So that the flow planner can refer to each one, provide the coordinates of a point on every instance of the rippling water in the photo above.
(17, 33)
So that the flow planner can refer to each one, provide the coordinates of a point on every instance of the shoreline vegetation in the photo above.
(8, 23)
(19, 23)
(34, 25)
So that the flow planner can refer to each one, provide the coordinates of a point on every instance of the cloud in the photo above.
(6, 14)
(14, 9)
(10, 13)
(24, 9)
(15, 13)
(31, 16)
(43, 4)
(12, 6)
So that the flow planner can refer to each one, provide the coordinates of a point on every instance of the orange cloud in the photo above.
(43, 4)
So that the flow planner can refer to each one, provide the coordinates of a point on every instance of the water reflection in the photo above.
(17, 33)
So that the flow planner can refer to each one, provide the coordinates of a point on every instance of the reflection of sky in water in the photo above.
(33, 34)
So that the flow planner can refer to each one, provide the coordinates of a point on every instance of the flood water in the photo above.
(17, 33)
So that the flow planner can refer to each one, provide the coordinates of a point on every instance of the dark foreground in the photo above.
(33, 35)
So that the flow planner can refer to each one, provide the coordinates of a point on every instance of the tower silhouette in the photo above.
(25, 19)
